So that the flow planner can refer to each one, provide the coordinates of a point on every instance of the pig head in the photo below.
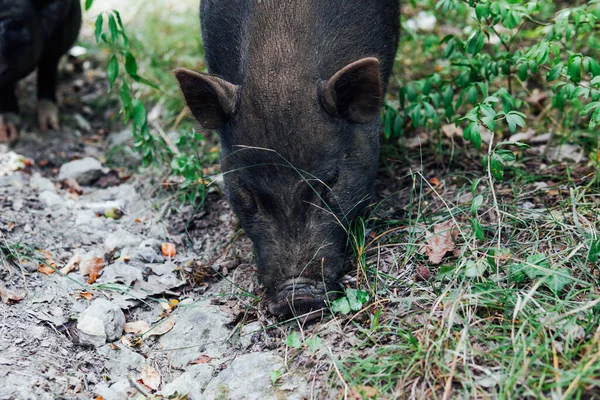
(299, 148)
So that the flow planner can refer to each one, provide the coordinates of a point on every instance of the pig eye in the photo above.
(245, 199)
(327, 194)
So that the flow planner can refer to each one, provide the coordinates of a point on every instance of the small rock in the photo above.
(191, 383)
(147, 255)
(41, 184)
(151, 243)
(102, 321)
(248, 332)
(200, 331)
(84, 171)
(120, 361)
(51, 199)
(121, 239)
(158, 231)
(247, 377)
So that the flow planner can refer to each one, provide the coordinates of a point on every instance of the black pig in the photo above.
(295, 90)
(33, 34)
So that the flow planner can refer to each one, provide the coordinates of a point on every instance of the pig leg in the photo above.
(9, 109)
(47, 111)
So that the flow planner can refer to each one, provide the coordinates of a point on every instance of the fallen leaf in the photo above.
(91, 267)
(9, 296)
(203, 359)
(151, 377)
(422, 273)
(168, 249)
(72, 264)
(46, 270)
(49, 267)
(162, 328)
(434, 181)
(440, 242)
(363, 392)
(72, 186)
(137, 327)
(451, 130)
(86, 295)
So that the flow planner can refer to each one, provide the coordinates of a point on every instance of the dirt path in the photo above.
(192, 321)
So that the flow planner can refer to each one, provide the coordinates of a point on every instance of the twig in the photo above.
(168, 141)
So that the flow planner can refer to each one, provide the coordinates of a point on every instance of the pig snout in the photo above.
(297, 297)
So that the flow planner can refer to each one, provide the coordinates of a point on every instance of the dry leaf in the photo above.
(92, 267)
(73, 186)
(162, 328)
(168, 249)
(203, 359)
(9, 296)
(86, 295)
(451, 130)
(72, 264)
(440, 242)
(363, 392)
(422, 273)
(49, 267)
(137, 327)
(434, 181)
(151, 377)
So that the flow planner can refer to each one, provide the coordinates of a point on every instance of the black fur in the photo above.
(34, 34)
(299, 150)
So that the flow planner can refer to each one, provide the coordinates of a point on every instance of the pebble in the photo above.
(84, 171)
(101, 322)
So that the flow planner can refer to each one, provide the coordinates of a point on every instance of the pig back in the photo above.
(299, 38)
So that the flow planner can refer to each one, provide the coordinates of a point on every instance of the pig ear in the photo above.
(354, 92)
(212, 100)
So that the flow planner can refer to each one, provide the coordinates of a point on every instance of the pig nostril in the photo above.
(296, 298)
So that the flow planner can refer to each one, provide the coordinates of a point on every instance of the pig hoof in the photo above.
(8, 127)
(300, 298)
(47, 115)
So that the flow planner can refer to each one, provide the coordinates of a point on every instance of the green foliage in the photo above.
(354, 300)
(123, 72)
(481, 75)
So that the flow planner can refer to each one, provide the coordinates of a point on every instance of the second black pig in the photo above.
(33, 34)
(295, 90)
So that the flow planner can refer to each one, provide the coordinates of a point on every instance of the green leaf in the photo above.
(574, 68)
(477, 202)
(475, 269)
(293, 340)
(113, 70)
(112, 27)
(357, 299)
(341, 306)
(475, 43)
(130, 64)
(139, 114)
(275, 375)
(398, 125)
(477, 229)
(513, 119)
(554, 73)
(99, 24)
(558, 279)
(506, 155)
(314, 344)
(496, 168)
(522, 72)
(88, 4)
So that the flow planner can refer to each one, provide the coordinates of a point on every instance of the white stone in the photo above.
(84, 171)
(101, 322)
